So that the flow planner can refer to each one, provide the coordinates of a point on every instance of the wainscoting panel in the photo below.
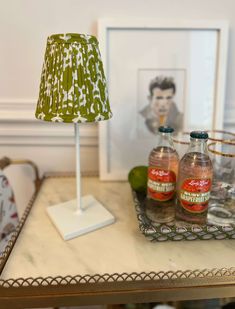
(50, 145)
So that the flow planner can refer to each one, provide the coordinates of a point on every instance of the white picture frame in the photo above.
(120, 44)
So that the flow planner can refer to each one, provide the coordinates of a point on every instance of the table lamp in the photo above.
(73, 90)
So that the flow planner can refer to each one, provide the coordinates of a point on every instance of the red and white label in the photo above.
(161, 184)
(195, 194)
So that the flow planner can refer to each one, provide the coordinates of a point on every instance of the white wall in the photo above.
(24, 27)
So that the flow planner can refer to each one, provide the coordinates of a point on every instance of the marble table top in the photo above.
(118, 248)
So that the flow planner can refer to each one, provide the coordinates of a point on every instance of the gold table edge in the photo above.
(161, 280)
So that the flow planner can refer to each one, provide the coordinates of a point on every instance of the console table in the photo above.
(115, 264)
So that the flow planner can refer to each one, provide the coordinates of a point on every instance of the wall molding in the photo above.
(18, 126)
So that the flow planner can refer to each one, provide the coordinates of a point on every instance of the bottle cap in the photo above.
(165, 129)
(199, 134)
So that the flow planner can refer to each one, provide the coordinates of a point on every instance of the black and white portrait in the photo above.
(160, 100)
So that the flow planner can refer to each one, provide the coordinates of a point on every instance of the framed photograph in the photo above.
(158, 73)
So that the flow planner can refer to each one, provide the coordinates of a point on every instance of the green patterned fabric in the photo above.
(73, 86)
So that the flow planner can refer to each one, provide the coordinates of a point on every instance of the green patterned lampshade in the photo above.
(73, 86)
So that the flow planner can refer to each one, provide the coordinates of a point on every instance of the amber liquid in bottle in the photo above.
(162, 174)
(194, 183)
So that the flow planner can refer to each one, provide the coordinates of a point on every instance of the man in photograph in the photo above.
(162, 109)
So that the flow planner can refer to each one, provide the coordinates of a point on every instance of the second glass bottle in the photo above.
(195, 179)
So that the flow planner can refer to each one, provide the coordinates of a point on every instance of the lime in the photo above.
(137, 178)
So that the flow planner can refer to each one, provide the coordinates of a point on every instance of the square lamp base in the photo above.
(71, 224)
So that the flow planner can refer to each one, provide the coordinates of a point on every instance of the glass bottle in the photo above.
(162, 174)
(194, 181)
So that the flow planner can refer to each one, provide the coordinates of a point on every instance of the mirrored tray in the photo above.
(176, 231)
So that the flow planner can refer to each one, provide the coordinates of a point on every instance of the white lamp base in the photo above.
(71, 224)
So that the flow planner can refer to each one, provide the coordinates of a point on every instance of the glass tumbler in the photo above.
(222, 200)
(221, 136)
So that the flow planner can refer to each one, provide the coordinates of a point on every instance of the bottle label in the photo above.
(161, 184)
(195, 194)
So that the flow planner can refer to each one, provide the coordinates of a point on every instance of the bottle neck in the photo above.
(165, 140)
(198, 145)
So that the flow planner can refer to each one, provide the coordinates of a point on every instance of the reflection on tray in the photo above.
(221, 218)
(222, 204)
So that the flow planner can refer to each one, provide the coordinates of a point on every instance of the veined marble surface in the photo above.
(118, 248)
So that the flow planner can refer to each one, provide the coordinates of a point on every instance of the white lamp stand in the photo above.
(80, 216)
